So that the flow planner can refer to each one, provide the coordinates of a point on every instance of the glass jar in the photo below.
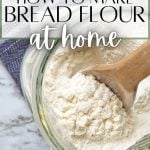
(31, 81)
(32, 73)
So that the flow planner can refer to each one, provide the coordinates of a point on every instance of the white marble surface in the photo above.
(18, 131)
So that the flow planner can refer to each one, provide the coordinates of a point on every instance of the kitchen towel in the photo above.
(11, 55)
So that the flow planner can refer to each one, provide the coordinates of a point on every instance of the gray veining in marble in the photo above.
(18, 131)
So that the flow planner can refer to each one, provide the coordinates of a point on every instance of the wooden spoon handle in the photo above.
(135, 67)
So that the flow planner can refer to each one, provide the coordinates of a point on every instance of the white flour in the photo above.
(89, 114)
(89, 110)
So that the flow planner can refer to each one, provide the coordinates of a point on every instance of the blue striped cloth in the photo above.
(11, 54)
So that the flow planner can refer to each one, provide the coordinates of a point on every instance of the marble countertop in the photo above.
(18, 131)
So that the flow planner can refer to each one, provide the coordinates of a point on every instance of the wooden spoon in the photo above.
(123, 77)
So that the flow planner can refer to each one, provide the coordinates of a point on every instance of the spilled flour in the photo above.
(90, 116)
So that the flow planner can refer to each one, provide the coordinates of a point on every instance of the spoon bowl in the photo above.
(123, 77)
